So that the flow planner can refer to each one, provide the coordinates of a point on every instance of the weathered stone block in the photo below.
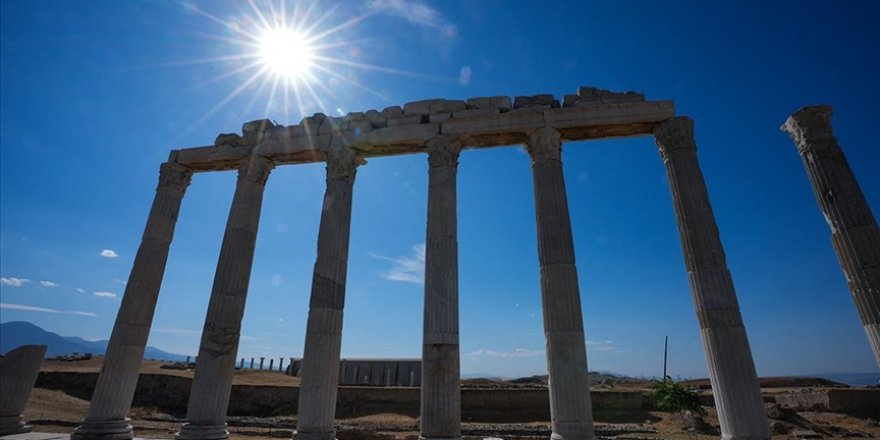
(502, 103)
(595, 94)
(404, 120)
(476, 112)
(255, 131)
(392, 112)
(229, 139)
(439, 117)
(535, 100)
(430, 106)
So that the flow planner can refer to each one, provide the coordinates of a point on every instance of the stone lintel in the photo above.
(584, 122)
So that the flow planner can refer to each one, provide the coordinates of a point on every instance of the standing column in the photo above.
(731, 368)
(320, 367)
(854, 232)
(212, 383)
(111, 400)
(441, 375)
(570, 407)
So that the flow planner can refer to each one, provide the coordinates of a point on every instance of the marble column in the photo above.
(111, 400)
(320, 366)
(731, 368)
(854, 231)
(570, 407)
(212, 382)
(441, 373)
(19, 369)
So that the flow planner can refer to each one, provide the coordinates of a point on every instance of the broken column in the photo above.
(18, 374)
(212, 381)
(854, 231)
(320, 367)
(111, 400)
(441, 375)
(570, 407)
(729, 358)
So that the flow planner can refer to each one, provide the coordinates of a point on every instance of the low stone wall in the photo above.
(856, 402)
(490, 405)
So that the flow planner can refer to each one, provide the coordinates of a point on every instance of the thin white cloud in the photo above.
(26, 308)
(464, 76)
(276, 280)
(80, 290)
(13, 281)
(116, 280)
(177, 331)
(109, 253)
(409, 269)
(49, 284)
(105, 294)
(417, 13)
(518, 353)
(606, 345)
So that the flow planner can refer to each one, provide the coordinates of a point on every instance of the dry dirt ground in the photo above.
(55, 411)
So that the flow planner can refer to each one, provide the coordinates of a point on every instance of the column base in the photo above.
(328, 435)
(13, 425)
(117, 429)
(572, 431)
(743, 437)
(190, 431)
(439, 438)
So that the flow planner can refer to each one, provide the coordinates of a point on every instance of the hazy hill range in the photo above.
(17, 333)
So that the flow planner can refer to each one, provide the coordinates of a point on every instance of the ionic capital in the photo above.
(175, 176)
(255, 168)
(342, 161)
(545, 144)
(675, 134)
(443, 151)
(810, 126)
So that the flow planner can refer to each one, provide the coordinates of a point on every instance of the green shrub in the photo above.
(669, 395)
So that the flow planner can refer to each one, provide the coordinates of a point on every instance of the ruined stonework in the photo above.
(854, 232)
(18, 373)
(441, 128)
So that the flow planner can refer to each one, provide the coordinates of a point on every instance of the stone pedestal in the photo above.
(570, 406)
(854, 231)
(18, 374)
(212, 382)
(320, 367)
(111, 400)
(441, 375)
(731, 368)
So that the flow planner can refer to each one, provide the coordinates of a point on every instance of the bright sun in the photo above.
(286, 53)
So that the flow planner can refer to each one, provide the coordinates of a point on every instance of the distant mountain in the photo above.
(17, 333)
(853, 379)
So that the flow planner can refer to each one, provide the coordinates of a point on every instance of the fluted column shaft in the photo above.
(854, 231)
(111, 400)
(570, 406)
(729, 358)
(441, 375)
(320, 367)
(212, 382)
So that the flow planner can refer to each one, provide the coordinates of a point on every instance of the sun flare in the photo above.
(286, 53)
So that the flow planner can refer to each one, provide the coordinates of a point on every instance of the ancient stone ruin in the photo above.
(441, 128)
(18, 373)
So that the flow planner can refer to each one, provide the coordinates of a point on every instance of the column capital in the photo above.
(810, 126)
(175, 176)
(342, 162)
(443, 151)
(255, 168)
(545, 144)
(675, 134)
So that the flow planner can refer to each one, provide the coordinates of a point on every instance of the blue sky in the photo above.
(95, 94)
